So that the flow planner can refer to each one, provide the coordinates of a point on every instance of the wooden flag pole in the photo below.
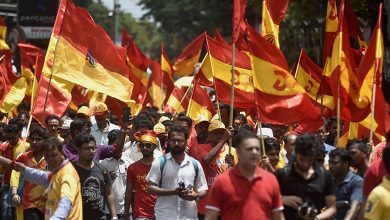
(185, 95)
(1, 58)
(372, 111)
(232, 96)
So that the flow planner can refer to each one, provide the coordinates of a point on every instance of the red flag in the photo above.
(238, 24)
(155, 94)
(126, 38)
(279, 98)
(177, 102)
(57, 101)
(167, 73)
(186, 62)
(200, 105)
(218, 37)
(353, 26)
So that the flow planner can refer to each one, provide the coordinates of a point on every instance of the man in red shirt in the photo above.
(136, 187)
(245, 191)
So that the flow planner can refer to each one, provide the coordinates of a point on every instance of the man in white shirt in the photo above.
(177, 179)
(102, 126)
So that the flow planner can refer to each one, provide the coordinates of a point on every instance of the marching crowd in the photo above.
(91, 165)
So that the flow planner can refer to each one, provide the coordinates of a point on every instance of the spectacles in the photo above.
(178, 141)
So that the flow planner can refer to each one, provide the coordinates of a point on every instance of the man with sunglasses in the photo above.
(11, 149)
(52, 124)
(136, 189)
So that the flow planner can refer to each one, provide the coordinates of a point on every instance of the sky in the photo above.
(127, 6)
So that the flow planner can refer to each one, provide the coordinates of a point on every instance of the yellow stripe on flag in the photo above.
(197, 112)
(174, 103)
(141, 75)
(15, 96)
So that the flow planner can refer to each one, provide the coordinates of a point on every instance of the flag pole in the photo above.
(1, 58)
(372, 111)
(232, 95)
(185, 95)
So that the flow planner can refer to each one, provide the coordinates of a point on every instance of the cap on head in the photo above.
(84, 110)
(66, 124)
(100, 108)
(201, 119)
(146, 136)
(163, 118)
(215, 124)
(159, 128)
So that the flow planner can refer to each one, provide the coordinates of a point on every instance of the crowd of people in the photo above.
(91, 165)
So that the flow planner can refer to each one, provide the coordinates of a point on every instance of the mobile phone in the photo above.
(126, 114)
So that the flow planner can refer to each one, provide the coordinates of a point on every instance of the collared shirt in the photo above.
(118, 171)
(102, 152)
(173, 207)
(351, 189)
(313, 190)
(378, 202)
(235, 197)
(100, 135)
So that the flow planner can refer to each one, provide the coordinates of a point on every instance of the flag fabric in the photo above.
(138, 61)
(308, 74)
(331, 27)
(238, 23)
(353, 26)
(279, 98)
(218, 37)
(188, 59)
(155, 94)
(167, 73)
(345, 81)
(31, 63)
(200, 105)
(4, 48)
(81, 52)
(126, 38)
(12, 88)
(219, 65)
(371, 68)
(273, 14)
(56, 103)
(177, 101)
(204, 76)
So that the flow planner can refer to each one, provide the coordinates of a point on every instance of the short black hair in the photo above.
(12, 128)
(112, 135)
(343, 154)
(51, 117)
(16, 122)
(360, 144)
(241, 117)
(247, 127)
(78, 123)
(3, 125)
(329, 122)
(141, 122)
(386, 157)
(307, 145)
(84, 139)
(40, 131)
(53, 142)
(178, 129)
(271, 144)
(186, 119)
(242, 135)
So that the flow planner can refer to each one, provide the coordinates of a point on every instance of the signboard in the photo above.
(37, 17)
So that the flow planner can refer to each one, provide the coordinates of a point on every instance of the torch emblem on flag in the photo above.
(90, 60)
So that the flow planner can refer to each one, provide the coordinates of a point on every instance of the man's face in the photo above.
(321, 134)
(304, 163)
(183, 124)
(337, 166)
(248, 152)
(290, 143)
(87, 151)
(53, 157)
(273, 156)
(52, 127)
(146, 148)
(177, 143)
(36, 142)
(278, 130)
(101, 120)
(23, 119)
(216, 136)
(12, 138)
(357, 156)
(202, 131)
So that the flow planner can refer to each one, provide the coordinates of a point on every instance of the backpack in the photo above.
(163, 161)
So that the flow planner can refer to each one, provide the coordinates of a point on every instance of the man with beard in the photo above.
(136, 187)
(307, 187)
(360, 154)
(214, 156)
(177, 179)
(201, 128)
(95, 181)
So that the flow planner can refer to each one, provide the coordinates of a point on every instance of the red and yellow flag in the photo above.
(56, 103)
(279, 98)
(308, 74)
(273, 14)
(353, 26)
(200, 105)
(186, 62)
(219, 65)
(138, 61)
(177, 101)
(12, 88)
(167, 73)
(371, 68)
(238, 23)
(331, 27)
(155, 94)
(345, 81)
(4, 48)
(81, 52)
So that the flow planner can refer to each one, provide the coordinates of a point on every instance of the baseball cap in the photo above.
(163, 118)
(159, 128)
(66, 124)
(216, 124)
(84, 110)
(100, 108)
